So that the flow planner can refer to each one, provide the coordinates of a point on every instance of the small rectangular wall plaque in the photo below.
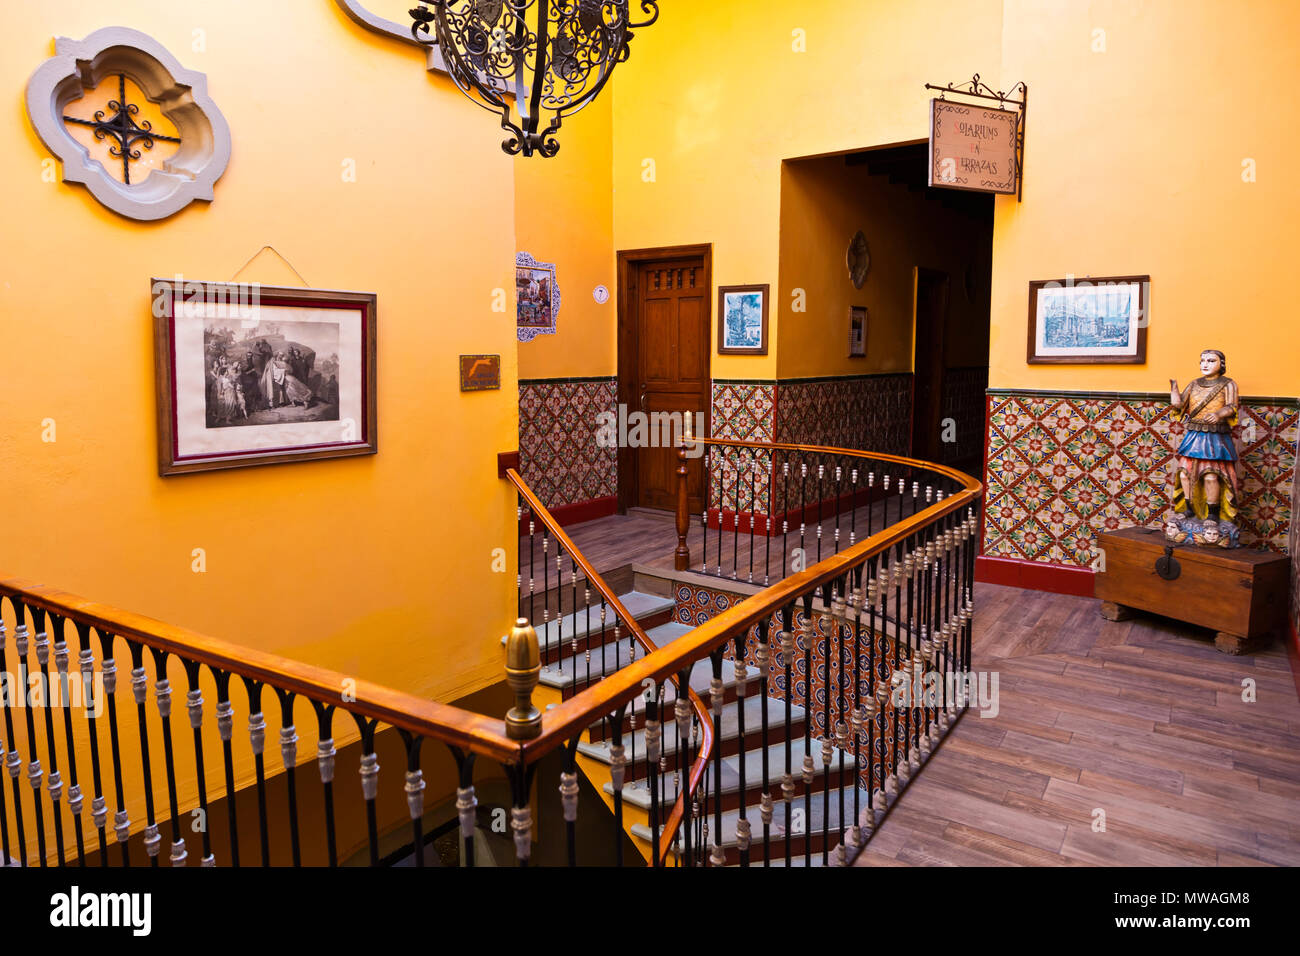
(479, 373)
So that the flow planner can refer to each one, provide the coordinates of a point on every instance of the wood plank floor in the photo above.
(1141, 719)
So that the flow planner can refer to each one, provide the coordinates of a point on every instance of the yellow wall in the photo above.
(1134, 166)
(378, 566)
(823, 203)
(564, 213)
(724, 97)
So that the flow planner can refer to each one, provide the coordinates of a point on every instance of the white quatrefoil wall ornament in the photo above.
(114, 56)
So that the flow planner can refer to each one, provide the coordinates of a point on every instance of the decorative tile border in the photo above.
(558, 454)
(1063, 466)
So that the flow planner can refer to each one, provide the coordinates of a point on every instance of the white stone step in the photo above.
(560, 631)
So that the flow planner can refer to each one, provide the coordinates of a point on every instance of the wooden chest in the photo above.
(1240, 593)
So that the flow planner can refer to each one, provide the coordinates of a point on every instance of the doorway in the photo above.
(930, 314)
(664, 324)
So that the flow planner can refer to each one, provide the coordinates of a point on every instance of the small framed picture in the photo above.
(537, 297)
(857, 331)
(1093, 321)
(742, 319)
(256, 375)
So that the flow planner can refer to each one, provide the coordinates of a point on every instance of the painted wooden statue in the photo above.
(1205, 467)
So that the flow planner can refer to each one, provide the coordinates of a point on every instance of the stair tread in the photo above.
(812, 827)
(730, 728)
(578, 624)
(637, 793)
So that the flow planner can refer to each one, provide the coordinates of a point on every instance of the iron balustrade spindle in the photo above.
(569, 801)
(369, 771)
(808, 635)
(257, 741)
(741, 671)
(163, 696)
(225, 729)
(194, 709)
(54, 781)
(414, 789)
(753, 508)
(11, 758)
(763, 661)
(466, 801)
(325, 757)
(787, 781)
(617, 772)
(653, 740)
(289, 756)
(140, 686)
(75, 798)
(22, 644)
(718, 857)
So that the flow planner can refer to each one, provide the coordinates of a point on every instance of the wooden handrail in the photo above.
(639, 635)
(584, 708)
(486, 735)
(444, 722)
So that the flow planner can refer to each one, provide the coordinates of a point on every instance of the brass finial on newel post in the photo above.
(523, 671)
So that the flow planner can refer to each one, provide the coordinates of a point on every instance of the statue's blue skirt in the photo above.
(1209, 446)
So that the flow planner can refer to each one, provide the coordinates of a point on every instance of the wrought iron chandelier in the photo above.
(552, 56)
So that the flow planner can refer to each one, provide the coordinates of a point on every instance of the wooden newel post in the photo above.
(523, 671)
(682, 556)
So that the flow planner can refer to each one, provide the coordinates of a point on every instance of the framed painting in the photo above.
(537, 297)
(742, 319)
(857, 331)
(258, 375)
(1094, 321)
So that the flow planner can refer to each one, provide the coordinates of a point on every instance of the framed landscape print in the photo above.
(742, 320)
(1101, 321)
(537, 297)
(255, 375)
(857, 331)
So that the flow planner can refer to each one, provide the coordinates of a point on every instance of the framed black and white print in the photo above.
(256, 375)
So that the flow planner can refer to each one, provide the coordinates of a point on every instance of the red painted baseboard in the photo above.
(578, 512)
(1035, 575)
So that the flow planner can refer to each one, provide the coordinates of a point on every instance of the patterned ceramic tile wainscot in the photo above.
(558, 454)
(1064, 466)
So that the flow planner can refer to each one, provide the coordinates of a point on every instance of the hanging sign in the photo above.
(973, 147)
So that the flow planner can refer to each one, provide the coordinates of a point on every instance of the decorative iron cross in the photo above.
(123, 128)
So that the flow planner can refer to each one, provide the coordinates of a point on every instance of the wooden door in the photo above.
(670, 372)
(927, 388)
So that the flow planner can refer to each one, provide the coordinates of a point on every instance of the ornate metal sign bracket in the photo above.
(978, 89)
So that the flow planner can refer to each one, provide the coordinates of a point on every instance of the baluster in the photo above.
(742, 675)
(140, 688)
(735, 518)
(821, 474)
(717, 857)
(857, 718)
(12, 760)
(808, 636)
(93, 708)
(257, 740)
(369, 770)
(803, 511)
(617, 769)
(767, 521)
(162, 689)
(839, 473)
(225, 729)
(121, 823)
(194, 708)
(34, 771)
(569, 799)
(753, 507)
(653, 749)
(466, 802)
(762, 662)
(877, 689)
(75, 800)
(786, 637)
(682, 711)
(54, 782)
(828, 639)
(708, 501)
(325, 755)
(722, 502)
(682, 556)
(853, 507)
(521, 812)
(841, 725)
(785, 517)
(546, 581)
(532, 569)
(414, 789)
(289, 756)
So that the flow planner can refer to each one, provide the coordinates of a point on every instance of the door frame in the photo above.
(939, 332)
(628, 340)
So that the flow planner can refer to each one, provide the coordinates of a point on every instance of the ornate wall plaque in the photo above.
(118, 54)
(480, 372)
(537, 297)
